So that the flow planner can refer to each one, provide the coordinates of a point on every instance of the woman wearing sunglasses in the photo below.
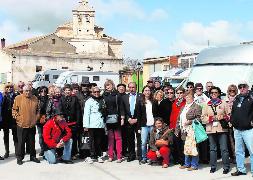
(215, 116)
(178, 104)
(230, 98)
(93, 122)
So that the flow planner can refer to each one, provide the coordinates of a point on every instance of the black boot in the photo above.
(1, 158)
(6, 155)
(7, 152)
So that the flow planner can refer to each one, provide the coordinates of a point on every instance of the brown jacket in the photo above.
(223, 111)
(153, 137)
(25, 111)
(194, 112)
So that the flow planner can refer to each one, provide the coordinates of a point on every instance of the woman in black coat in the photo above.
(113, 120)
(8, 121)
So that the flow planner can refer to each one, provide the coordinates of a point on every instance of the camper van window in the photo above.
(46, 77)
(55, 76)
(95, 78)
(74, 79)
(85, 79)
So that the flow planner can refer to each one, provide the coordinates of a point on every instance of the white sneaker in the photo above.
(89, 160)
(100, 160)
(104, 155)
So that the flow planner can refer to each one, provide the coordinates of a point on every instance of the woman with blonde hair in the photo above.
(113, 120)
(229, 99)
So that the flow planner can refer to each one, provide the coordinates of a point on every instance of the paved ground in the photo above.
(9, 170)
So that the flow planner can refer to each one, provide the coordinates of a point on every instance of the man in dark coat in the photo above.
(8, 121)
(70, 106)
(129, 110)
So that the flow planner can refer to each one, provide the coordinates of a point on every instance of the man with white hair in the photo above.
(25, 111)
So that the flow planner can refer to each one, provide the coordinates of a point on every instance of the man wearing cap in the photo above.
(57, 134)
(26, 112)
(157, 85)
(242, 120)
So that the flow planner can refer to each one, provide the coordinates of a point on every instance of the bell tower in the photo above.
(83, 21)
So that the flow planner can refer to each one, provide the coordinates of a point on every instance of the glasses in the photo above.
(242, 86)
(179, 92)
(189, 87)
(170, 92)
(199, 89)
(232, 90)
(96, 91)
(43, 91)
(214, 92)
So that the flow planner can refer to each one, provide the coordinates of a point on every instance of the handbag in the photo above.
(85, 142)
(224, 124)
(161, 142)
(110, 119)
(199, 131)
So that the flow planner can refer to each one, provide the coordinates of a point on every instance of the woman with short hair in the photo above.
(190, 112)
(160, 139)
(229, 99)
(93, 122)
(113, 120)
(215, 116)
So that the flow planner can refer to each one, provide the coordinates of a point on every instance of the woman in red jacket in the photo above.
(177, 149)
(57, 134)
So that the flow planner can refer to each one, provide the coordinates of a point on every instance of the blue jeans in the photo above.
(145, 131)
(241, 137)
(191, 161)
(222, 139)
(50, 154)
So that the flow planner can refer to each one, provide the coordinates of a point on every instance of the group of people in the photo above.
(160, 119)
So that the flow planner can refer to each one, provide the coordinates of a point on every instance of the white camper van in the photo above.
(178, 78)
(46, 78)
(98, 77)
(224, 66)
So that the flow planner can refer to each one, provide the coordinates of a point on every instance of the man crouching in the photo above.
(57, 134)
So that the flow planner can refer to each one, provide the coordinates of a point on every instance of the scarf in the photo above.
(179, 101)
(214, 102)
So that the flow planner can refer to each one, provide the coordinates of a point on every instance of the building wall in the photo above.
(24, 67)
(46, 45)
(115, 50)
(5, 68)
(85, 46)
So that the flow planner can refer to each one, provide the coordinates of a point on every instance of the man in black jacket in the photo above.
(129, 110)
(70, 106)
(242, 120)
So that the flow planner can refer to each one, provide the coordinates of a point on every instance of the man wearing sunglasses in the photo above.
(242, 120)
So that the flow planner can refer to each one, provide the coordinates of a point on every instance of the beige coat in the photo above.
(25, 111)
(222, 110)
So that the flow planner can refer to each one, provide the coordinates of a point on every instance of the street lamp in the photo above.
(138, 75)
(12, 66)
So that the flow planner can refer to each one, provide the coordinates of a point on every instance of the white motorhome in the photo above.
(178, 78)
(98, 77)
(224, 66)
(46, 78)
(163, 76)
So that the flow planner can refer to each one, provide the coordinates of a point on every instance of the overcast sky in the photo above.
(148, 27)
